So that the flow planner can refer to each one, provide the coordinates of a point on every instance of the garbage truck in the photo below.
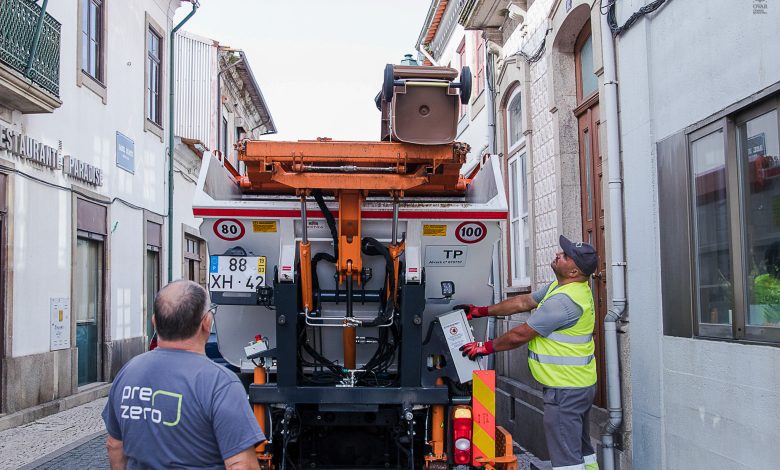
(337, 266)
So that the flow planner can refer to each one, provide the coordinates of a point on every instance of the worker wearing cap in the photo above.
(559, 335)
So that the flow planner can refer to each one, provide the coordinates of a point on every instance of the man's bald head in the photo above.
(179, 309)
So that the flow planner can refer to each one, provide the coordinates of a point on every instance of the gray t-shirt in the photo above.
(177, 409)
(558, 312)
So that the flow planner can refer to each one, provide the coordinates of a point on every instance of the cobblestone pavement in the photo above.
(89, 455)
(75, 439)
(28, 443)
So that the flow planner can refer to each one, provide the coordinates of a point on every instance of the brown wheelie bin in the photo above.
(420, 104)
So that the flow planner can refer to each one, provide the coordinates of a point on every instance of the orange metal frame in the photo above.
(283, 167)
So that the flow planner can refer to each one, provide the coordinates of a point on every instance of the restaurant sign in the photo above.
(27, 148)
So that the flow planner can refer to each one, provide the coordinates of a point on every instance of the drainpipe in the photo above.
(195, 6)
(36, 39)
(618, 268)
(490, 104)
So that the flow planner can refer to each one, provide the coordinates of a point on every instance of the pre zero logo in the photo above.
(146, 405)
(471, 232)
(229, 229)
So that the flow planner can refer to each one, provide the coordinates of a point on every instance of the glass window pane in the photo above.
(85, 51)
(513, 188)
(713, 243)
(153, 42)
(152, 285)
(527, 247)
(588, 78)
(515, 118)
(85, 16)
(523, 186)
(88, 281)
(759, 154)
(93, 59)
(515, 249)
(93, 20)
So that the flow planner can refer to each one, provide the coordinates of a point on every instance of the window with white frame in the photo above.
(520, 250)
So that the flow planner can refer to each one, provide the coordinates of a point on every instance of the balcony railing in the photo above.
(18, 26)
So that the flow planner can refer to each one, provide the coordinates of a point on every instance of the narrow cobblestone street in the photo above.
(78, 428)
(75, 439)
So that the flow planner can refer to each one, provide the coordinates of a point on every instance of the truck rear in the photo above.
(337, 267)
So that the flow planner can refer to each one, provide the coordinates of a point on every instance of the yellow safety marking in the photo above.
(484, 443)
(264, 226)
(434, 230)
(483, 407)
(482, 392)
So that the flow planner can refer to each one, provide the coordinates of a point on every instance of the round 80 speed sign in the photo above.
(229, 229)
(471, 232)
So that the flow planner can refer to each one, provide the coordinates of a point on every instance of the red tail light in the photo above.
(461, 435)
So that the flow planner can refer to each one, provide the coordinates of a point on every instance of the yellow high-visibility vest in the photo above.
(564, 359)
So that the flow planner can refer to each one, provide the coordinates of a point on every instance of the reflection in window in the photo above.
(154, 79)
(91, 37)
(518, 214)
(88, 306)
(589, 81)
(712, 240)
(515, 120)
(759, 155)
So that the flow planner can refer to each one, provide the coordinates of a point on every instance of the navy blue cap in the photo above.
(584, 255)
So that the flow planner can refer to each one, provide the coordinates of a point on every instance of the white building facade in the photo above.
(699, 90)
(218, 104)
(550, 134)
(80, 223)
(84, 190)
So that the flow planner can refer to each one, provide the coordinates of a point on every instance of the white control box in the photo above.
(457, 332)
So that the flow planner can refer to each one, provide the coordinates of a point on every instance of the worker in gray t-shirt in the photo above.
(173, 407)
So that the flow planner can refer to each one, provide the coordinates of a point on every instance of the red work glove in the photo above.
(472, 311)
(477, 349)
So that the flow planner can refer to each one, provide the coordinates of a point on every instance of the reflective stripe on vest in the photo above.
(560, 360)
(565, 358)
(583, 339)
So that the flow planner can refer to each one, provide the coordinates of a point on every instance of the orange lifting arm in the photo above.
(283, 167)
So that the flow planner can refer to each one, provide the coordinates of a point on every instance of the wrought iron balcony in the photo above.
(36, 55)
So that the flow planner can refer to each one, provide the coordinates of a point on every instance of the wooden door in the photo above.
(591, 175)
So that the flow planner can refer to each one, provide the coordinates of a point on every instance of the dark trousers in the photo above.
(566, 412)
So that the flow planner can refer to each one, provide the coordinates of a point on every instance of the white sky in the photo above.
(319, 63)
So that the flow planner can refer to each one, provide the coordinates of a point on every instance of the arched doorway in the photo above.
(591, 173)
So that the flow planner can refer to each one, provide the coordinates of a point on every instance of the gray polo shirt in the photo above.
(177, 409)
(558, 312)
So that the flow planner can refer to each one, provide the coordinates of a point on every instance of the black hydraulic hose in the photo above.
(329, 219)
(315, 283)
(372, 247)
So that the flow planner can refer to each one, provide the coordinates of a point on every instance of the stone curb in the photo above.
(35, 413)
(61, 451)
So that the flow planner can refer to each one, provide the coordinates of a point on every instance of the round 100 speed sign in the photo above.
(471, 232)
